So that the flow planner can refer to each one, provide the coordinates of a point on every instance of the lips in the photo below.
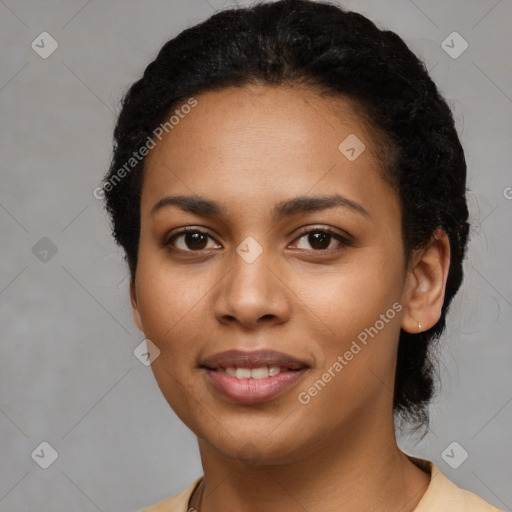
(255, 359)
(252, 377)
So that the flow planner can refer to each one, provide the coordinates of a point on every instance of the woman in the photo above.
(289, 189)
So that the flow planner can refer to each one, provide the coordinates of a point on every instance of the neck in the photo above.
(349, 473)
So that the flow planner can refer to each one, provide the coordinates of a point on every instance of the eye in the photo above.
(190, 239)
(320, 239)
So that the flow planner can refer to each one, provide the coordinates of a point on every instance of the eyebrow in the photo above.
(287, 208)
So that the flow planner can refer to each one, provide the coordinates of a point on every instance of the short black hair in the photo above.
(341, 54)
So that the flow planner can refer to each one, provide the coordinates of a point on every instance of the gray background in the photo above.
(68, 373)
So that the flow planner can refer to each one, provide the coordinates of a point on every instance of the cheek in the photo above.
(166, 304)
(353, 296)
(356, 361)
(165, 300)
(360, 305)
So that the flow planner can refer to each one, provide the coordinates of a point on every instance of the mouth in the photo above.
(252, 377)
(261, 372)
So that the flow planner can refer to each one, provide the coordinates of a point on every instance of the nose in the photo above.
(252, 293)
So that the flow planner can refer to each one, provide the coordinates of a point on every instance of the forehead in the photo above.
(261, 140)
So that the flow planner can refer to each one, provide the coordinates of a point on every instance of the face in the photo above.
(320, 280)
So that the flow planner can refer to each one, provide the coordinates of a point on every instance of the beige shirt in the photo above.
(442, 495)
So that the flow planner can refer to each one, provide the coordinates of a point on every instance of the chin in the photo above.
(256, 448)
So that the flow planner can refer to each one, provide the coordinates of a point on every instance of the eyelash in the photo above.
(344, 240)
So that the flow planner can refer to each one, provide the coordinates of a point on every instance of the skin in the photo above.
(248, 149)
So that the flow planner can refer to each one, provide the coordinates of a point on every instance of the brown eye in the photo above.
(321, 240)
(190, 240)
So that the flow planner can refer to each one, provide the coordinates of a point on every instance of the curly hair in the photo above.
(341, 54)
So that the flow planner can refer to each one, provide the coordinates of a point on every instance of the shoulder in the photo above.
(443, 495)
(178, 503)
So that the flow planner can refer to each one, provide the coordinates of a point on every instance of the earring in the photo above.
(419, 326)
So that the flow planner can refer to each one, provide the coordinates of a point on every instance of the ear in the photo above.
(425, 284)
(135, 306)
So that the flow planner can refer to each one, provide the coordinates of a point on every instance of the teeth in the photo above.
(259, 373)
(243, 373)
(274, 371)
(254, 373)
